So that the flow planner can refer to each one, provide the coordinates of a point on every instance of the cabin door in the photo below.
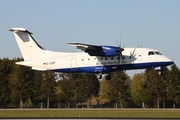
(73, 64)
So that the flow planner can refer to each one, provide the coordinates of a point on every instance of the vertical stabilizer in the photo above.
(29, 48)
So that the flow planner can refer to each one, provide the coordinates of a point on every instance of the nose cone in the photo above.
(168, 61)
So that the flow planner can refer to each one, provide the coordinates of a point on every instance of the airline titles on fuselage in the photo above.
(110, 62)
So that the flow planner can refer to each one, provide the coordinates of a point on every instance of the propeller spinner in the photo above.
(119, 52)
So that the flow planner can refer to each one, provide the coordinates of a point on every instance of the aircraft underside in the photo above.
(100, 70)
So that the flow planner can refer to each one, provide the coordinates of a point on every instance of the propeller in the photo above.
(132, 54)
(119, 50)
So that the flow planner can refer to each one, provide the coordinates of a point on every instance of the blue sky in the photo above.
(151, 23)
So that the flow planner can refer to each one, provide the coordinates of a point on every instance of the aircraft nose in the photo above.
(169, 62)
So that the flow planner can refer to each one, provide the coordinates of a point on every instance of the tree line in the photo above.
(21, 87)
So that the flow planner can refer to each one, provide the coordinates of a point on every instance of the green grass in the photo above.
(94, 113)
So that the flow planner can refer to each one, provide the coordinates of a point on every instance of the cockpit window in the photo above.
(154, 53)
(158, 53)
(151, 53)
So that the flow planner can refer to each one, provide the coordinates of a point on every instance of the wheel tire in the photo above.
(99, 76)
(108, 77)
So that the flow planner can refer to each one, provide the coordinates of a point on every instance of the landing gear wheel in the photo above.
(108, 77)
(99, 76)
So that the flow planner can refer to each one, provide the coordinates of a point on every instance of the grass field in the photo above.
(92, 113)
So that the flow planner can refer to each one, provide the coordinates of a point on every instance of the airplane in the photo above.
(95, 59)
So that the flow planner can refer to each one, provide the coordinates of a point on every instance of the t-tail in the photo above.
(29, 48)
(31, 51)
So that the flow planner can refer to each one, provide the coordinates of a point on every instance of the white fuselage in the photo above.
(133, 58)
(89, 61)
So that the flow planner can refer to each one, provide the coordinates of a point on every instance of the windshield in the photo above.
(154, 53)
(157, 53)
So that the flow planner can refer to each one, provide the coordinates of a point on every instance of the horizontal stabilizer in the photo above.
(19, 30)
(22, 63)
(30, 64)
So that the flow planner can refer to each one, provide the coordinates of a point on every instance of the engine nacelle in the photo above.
(105, 51)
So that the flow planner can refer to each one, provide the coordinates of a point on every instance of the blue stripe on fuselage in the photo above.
(112, 68)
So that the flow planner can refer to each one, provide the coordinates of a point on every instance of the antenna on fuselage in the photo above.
(120, 41)
(138, 44)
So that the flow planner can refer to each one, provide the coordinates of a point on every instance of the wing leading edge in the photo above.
(86, 47)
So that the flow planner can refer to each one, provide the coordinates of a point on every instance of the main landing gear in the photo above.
(107, 76)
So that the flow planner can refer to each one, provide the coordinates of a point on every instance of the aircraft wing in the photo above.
(86, 47)
(95, 50)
